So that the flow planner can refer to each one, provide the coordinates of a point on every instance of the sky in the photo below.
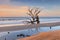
(18, 8)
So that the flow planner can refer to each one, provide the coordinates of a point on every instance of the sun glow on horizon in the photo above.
(9, 8)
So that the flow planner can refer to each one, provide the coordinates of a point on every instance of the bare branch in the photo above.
(29, 14)
(30, 11)
(38, 13)
(36, 10)
(29, 19)
(33, 13)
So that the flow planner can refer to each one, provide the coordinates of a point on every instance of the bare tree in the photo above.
(33, 13)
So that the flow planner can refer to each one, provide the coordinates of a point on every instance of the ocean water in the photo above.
(20, 20)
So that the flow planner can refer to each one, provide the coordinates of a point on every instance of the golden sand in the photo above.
(52, 35)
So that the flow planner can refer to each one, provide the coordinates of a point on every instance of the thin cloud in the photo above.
(13, 11)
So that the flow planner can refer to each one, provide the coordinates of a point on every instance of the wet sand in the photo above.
(14, 27)
(51, 35)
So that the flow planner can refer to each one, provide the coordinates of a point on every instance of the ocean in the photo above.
(20, 20)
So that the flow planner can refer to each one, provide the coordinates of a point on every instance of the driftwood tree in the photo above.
(33, 13)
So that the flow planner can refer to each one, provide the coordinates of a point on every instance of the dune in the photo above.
(51, 35)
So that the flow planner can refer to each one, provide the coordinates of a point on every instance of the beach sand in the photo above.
(51, 35)
(14, 27)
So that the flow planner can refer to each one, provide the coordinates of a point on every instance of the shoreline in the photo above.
(51, 35)
(15, 27)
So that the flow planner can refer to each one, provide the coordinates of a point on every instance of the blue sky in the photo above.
(32, 2)
(38, 2)
(44, 3)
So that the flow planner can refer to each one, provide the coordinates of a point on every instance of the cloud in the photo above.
(6, 10)
(54, 11)
(9, 10)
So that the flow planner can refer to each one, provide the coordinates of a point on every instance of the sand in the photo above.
(51, 35)
(15, 27)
